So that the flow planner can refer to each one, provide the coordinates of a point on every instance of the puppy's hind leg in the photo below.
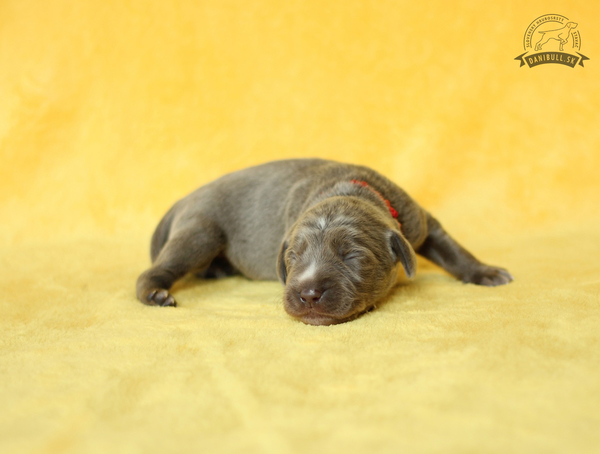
(443, 250)
(188, 249)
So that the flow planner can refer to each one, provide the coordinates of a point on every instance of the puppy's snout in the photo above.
(310, 296)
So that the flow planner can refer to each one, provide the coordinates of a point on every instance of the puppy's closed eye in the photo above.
(352, 256)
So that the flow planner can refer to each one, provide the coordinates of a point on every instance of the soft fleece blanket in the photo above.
(111, 110)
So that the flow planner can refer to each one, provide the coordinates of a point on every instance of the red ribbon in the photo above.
(364, 184)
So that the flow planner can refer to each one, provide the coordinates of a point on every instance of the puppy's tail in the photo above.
(161, 234)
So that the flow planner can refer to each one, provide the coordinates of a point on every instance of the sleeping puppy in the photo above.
(334, 234)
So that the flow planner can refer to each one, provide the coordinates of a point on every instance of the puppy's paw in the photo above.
(159, 297)
(490, 276)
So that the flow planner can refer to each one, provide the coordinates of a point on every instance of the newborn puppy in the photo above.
(334, 234)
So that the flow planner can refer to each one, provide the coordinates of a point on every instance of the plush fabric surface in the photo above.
(112, 110)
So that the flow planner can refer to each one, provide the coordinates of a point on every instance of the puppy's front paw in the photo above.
(159, 297)
(490, 276)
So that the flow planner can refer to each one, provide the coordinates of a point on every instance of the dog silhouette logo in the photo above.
(546, 39)
(561, 35)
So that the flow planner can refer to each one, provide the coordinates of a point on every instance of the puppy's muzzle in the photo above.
(317, 303)
(310, 296)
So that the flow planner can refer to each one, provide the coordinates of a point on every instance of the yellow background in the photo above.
(111, 110)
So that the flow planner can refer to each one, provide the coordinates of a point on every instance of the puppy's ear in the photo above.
(281, 268)
(403, 252)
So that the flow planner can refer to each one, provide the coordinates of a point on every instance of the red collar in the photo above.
(364, 184)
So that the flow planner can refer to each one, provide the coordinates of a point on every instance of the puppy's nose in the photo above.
(310, 296)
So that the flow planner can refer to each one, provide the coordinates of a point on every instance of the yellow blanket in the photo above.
(111, 110)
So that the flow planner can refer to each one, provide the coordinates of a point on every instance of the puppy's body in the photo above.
(322, 227)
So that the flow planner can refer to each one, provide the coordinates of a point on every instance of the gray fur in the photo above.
(333, 243)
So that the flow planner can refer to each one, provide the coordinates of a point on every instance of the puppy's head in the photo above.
(339, 259)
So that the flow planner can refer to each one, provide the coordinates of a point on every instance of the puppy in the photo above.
(334, 234)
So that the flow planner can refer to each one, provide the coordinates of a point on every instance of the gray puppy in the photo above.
(335, 235)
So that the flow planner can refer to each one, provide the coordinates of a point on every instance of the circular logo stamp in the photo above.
(552, 38)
